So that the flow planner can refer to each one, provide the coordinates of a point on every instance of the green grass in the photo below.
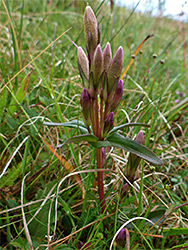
(48, 201)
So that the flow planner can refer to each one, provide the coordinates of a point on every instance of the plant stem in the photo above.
(99, 159)
(93, 121)
(100, 179)
(101, 115)
(96, 107)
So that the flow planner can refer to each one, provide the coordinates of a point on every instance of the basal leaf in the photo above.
(128, 125)
(79, 138)
(119, 141)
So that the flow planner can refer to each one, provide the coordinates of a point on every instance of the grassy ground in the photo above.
(41, 202)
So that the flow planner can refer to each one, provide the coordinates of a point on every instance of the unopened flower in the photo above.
(91, 31)
(140, 137)
(125, 188)
(107, 56)
(108, 123)
(114, 70)
(116, 99)
(81, 246)
(86, 106)
(121, 237)
(83, 66)
(97, 66)
(177, 101)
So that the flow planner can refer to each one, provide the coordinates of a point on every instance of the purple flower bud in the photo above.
(125, 188)
(121, 237)
(80, 245)
(97, 66)
(177, 92)
(115, 69)
(86, 106)
(83, 66)
(108, 123)
(177, 101)
(117, 96)
(90, 30)
(85, 98)
(107, 56)
(182, 94)
(140, 137)
(87, 246)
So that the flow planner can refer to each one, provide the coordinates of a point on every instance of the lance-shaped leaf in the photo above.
(79, 138)
(128, 125)
(70, 124)
(119, 141)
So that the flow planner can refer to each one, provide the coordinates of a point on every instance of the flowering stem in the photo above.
(93, 120)
(100, 179)
(99, 158)
(101, 115)
(98, 134)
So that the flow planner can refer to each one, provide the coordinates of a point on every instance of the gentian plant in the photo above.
(100, 98)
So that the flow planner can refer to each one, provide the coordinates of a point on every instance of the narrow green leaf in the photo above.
(128, 125)
(119, 141)
(20, 94)
(3, 97)
(70, 124)
(176, 231)
(177, 108)
(73, 123)
(79, 138)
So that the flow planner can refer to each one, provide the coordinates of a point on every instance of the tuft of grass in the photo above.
(39, 82)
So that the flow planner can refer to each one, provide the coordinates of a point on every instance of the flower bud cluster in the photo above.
(100, 74)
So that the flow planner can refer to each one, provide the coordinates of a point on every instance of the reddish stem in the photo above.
(97, 132)
(100, 180)
(93, 121)
(96, 107)
(101, 115)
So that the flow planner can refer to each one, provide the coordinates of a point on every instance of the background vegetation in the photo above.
(41, 202)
